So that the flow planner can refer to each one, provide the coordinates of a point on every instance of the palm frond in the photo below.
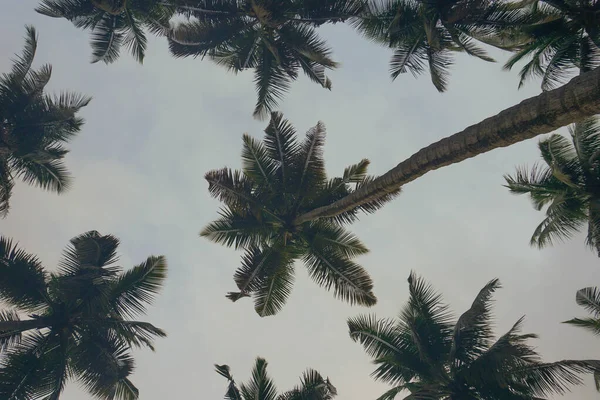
(232, 188)
(331, 269)
(135, 39)
(564, 217)
(260, 386)
(280, 144)
(547, 379)
(271, 80)
(9, 339)
(439, 63)
(309, 164)
(591, 324)
(134, 333)
(335, 238)
(44, 169)
(22, 278)
(379, 337)
(472, 332)
(256, 163)
(589, 298)
(539, 184)
(107, 39)
(233, 393)
(234, 230)
(6, 186)
(275, 288)
(137, 287)
(22, 64)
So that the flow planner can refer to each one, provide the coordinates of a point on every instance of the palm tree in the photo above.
(113, 23)
(568, 185)
(563, 35)
(425, 34)
(546, 112)
(261, 387)
(34, 126)
(80, 319)
(275, 38)
(282, 179)
(589, 298)
(430, 355)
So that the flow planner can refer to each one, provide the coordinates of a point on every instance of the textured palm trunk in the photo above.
(22, 326)
(573, 102)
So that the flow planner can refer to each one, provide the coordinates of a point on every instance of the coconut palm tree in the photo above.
(568, 185)
(589, 298)
(34, 126)
(563, 35)
(261, 387)
(113, 23)
(275, 38)
(425, 34)
(282, 179)
(80, 320)
(428, 354)
(577, 100)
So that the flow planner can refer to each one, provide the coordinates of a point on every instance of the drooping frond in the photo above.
(379, 337)
(137, 287)
(107, 39)
(275, 288)
(335, 238)
(231, 188)
(238, 231)
(90, 252)
(233, 393)
(9, 338)
(22, 278)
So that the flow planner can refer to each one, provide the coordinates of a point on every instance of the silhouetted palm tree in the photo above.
(429, 355)
(79, 323)
(113, 23)
(568, 185)
(34, 126)
(261, 387)
(275, 38)
(282, 179)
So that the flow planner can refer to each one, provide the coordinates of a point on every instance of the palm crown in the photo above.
(276, 38)
(424, 34)
(79, 320)
(568, 185)
(34, 126)
(313, 386)
(431, 356)
(562, 35)
(282, 179)
(113, 23)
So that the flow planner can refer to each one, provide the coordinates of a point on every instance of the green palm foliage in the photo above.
(428, 354)
(424, 34)
(113, 23)
(280, 180)
(589, 298)
(275, 38)
(261, 387)
(79, 323)
(567, 186)
(563, 35)
(34, 126)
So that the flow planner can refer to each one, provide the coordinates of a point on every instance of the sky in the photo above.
(152, 132)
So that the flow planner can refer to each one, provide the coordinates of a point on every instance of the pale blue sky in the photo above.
(152, 132)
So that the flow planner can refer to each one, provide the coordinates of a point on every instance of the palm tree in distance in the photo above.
(430, 355)
(79, 320)
(589, 298)
(563, 35)
(274, 38)
(568, 185)
(113, 23)
(313, 386)
(425, 34)
(282, 179)
(34, 126)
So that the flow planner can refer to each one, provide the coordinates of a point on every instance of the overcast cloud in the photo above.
(152, 132)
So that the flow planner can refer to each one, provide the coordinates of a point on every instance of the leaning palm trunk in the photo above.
(576, 100)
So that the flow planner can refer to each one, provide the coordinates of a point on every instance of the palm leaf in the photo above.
(280, 144)
(90, 252)
(379, 337)
(261, 386)
(107, 39)
(135, 39)
(9, 339)
(22, 278)
(591, 324)
(256, 163)
(234, 230)
(271, 82)
(137, 287)
(589, 298)
(233, 393)
(275, 288)
(44, 169)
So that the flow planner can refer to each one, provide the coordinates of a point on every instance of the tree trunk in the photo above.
(573, 102)
(22, 326)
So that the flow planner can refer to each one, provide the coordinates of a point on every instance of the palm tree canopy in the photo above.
(563, 35)
(275, 38)
(261, 387)
(280, 180)
(113, 23)
(424, 34)
(34, 126)
(80, 319)
(568, 185)
(428, 353)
